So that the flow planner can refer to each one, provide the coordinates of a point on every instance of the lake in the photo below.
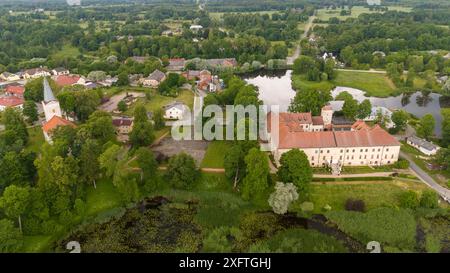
(275, 88)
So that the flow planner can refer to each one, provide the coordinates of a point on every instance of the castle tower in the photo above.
(327, 114)
(50, 103)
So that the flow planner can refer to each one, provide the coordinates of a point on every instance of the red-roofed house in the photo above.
(10, 101)
(54, 123)
(15, 90)
(66, 80)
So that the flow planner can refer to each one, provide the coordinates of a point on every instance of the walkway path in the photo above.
(427, 179)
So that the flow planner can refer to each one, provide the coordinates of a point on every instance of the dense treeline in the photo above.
(366, 39)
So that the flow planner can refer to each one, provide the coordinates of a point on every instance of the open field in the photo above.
(158, 101)
(218, 15)
(65, 52)
(215, 154)
(374, 194)
(325, 15)
(377, 85)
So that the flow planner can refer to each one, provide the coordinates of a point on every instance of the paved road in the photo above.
(290, 60)
(443, 192)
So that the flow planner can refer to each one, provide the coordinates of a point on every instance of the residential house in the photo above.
(139, 59)
(6, 76)
(15, 90)
(422, 145)
(109, 81)
(67, 80)
(60, 71)
(36, 73)
(154, 79)
(175, 110)
(228, 62)
(196, 28)
(11, 101)
(123, 125)
(191, 74)
(176, 64)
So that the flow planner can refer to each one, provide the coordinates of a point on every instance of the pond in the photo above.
(275, 88)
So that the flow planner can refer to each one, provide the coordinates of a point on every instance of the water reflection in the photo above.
(275, 89)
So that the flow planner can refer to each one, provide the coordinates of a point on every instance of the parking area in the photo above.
(170, 147)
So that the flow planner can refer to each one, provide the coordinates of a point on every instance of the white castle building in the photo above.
(326, 144)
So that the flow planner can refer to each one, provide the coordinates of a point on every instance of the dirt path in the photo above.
(290, 59)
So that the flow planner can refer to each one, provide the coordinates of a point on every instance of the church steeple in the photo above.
(48, 93)
(50, 103)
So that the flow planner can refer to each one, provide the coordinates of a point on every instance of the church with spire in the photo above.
(53, 113)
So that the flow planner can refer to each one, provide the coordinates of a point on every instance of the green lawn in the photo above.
(36, 244)
(36, 139)
(377, 85)
(158, 101)
(66, 51)
(103, 198)
(325, 15)
(299, 82)
(215, 154)
(374, 195)
(218, 15)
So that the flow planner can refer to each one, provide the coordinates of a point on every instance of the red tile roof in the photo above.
(365, 138)
(54, 122)
(302, 118)
(290, 140)
(292, 135)
(11, 101)
(17, 90)
(317, 120)
(64, 80)
(360, 125)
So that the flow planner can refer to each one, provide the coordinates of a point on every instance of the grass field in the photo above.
(158, 101)
(104, 197)
(66, 51)
(374, 84)
(36, 139)
(215, 154)
(377, 85)
(218, 15)
(325, 15)
(374, 194)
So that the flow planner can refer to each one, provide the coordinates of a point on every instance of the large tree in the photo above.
(10, 237)
(283, 196)
(400, 119)
(30, 110)
(350, 108)
(310, 100)
(13, 121)
(149, 168)
(303, 64)
(294, 168)
(364, 109)
(426, 126)
(15, 202)
(181, 171)
(256, 180)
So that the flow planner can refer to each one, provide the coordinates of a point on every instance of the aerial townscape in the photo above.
(101, 102)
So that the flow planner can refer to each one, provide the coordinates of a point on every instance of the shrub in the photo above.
(390, 227)
(402, 164)
(409, 200)
(355, 205)
(429, 199)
